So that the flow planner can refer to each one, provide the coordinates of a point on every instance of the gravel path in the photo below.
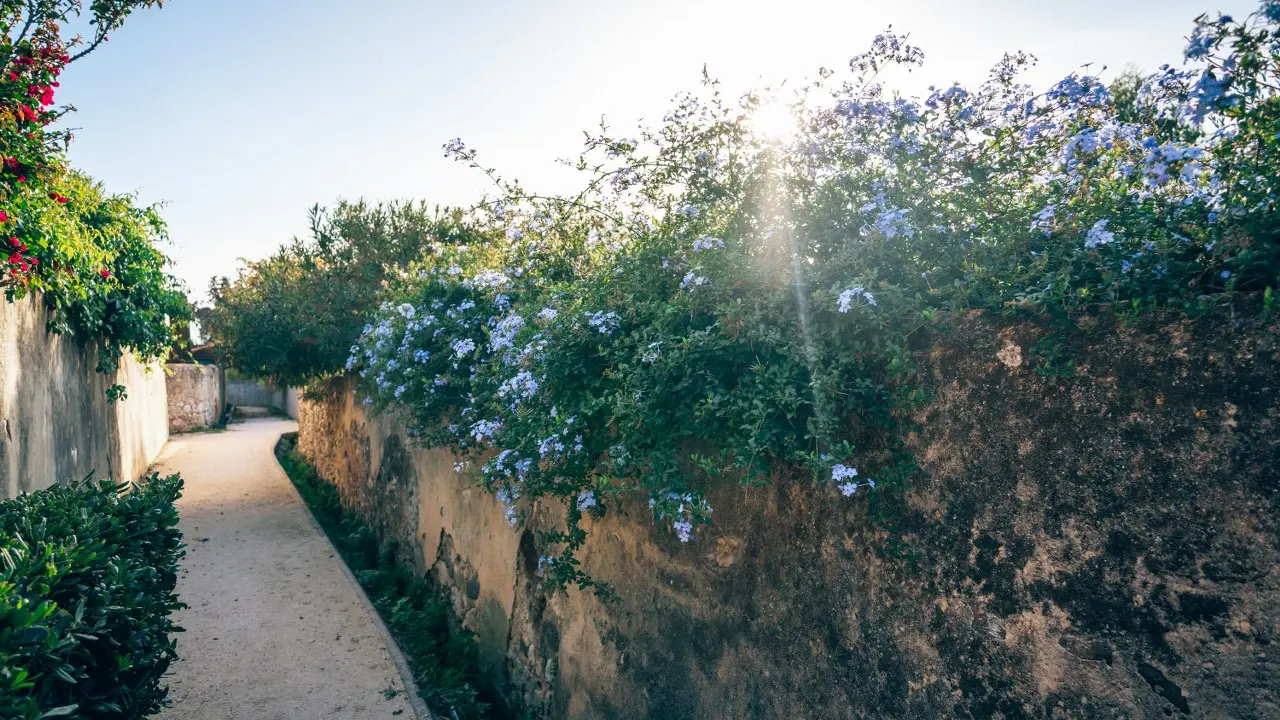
(277, 628)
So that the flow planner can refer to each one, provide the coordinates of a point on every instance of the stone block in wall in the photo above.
(194, 393)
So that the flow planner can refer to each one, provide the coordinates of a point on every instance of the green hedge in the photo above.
(87, 576)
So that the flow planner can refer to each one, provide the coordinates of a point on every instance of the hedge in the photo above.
(87, 576)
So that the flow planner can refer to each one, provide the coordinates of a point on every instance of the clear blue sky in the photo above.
(241, 114)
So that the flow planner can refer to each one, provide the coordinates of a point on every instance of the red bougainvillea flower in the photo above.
(11, 162)
(105, 273)
(15, 242)
(4, 217)
(22, 178)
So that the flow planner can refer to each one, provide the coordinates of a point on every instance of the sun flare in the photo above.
(773, 119)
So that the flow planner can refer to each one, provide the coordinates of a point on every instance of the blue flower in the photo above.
(706, 242)
(484, 429)
(1199, 44)
(845, 301)
(684, 530)
(586, 500)
(692, 279)
(488, 279)
(606, 323)
(1098, 235)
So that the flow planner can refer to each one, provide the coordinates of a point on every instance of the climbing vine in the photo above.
(739, 288)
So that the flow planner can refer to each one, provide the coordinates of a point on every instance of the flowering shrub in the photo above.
(91, 255)
(724, 299)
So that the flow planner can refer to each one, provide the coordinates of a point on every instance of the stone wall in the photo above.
(1096, 545)
(195, 393)
(55, 421)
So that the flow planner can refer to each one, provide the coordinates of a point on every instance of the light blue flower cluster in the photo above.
(843, 476)
(682, 509)
(845, 302)
(706, 242)
(604, 322)
(1098, 235)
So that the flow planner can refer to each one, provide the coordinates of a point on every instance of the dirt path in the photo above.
(276, 627)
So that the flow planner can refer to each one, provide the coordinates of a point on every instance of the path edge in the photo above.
(416, 702)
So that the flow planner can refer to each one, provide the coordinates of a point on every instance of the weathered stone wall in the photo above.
(1095, 546)
(55, 421)
(195, 393)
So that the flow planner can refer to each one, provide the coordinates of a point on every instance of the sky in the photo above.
(239, 115)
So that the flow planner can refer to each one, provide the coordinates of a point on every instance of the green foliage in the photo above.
(87, 576)
(292, 317)
(90, 254)
(721, 301)
(441, 654)
(113, 284)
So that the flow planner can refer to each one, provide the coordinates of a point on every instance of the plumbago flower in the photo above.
(758, 296)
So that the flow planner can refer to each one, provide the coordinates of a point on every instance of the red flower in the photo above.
(22, 178)
(13, 76)
(14, 242)
(11, 162)
(15, 258)
(34, 261)
(4, 217)
(104, 273)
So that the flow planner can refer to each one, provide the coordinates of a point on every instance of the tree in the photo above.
(294, 316)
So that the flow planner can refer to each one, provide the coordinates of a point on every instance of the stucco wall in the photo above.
(289, 398)
(1094, 546)
(55, 421)
(194, 393)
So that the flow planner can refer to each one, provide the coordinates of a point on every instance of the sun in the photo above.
(774, 120)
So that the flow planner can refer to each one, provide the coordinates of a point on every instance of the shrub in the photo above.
(741, 288)
(87, 576)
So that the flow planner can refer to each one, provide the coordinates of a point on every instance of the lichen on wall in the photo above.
(1092, 533)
